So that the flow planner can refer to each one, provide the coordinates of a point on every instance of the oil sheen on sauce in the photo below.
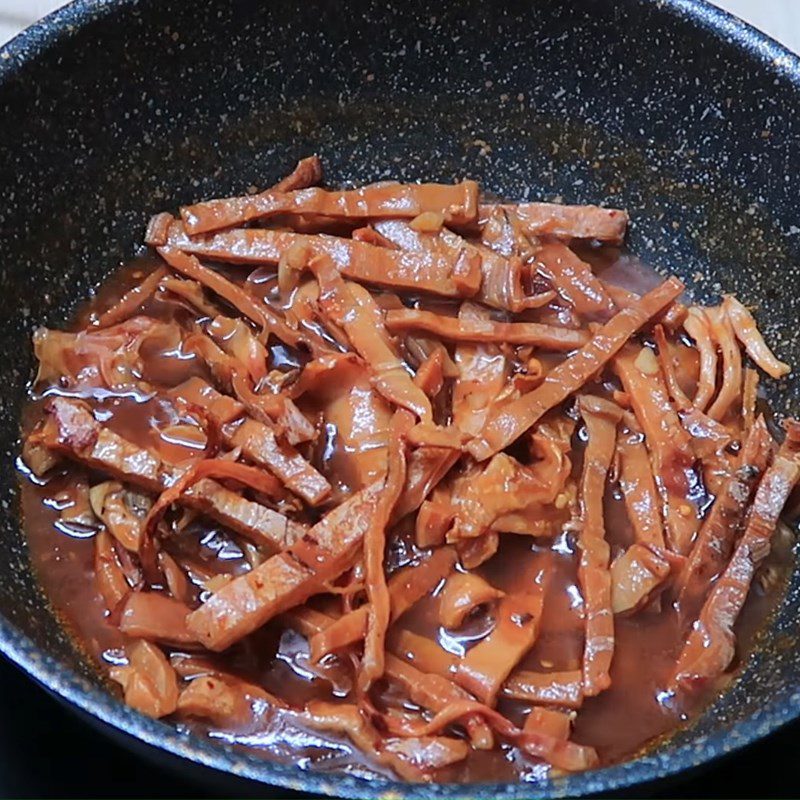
(633, 714)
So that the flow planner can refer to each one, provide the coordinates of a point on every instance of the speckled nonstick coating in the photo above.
(673, 110)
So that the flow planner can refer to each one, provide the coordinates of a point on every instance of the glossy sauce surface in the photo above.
(634, 712)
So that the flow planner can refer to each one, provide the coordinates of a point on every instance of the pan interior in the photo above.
(151, 104)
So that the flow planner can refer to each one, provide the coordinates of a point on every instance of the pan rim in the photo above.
(91, 699)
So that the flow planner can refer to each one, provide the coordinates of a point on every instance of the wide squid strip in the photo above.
(405, 587)
(431, 691)
(601, 418)
(574, 280)
(256, 440)
(222, 214)
(667, 442)
(76, 433)
(638, 484)
(566, 222)
(721, 527)
(483, 371)
(286, 579)
(485, 667)
(423, 653)
(557, 724)
(561, 689)
(671, 318)
(711, 644)
(483, 274)
(639, 575)
(457, 204)
(546, 337)
(155, 617)
(355, 311)
(512, 419)
(247, 476)
(356, 260)
(261, 314)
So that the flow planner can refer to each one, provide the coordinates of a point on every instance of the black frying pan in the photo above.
(110, 110)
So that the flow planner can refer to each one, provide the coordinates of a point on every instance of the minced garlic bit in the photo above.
(646, 362)
(428, 222)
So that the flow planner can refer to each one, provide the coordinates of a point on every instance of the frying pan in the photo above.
(669, 108)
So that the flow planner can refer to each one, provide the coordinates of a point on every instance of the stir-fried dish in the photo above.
(403, 481)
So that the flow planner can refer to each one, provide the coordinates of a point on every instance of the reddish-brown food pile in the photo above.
(396, 466)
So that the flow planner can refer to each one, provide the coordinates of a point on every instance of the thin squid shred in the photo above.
(667, 442)
(746, 330)
(379, 612)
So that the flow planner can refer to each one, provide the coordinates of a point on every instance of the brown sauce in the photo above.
(623, 720)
